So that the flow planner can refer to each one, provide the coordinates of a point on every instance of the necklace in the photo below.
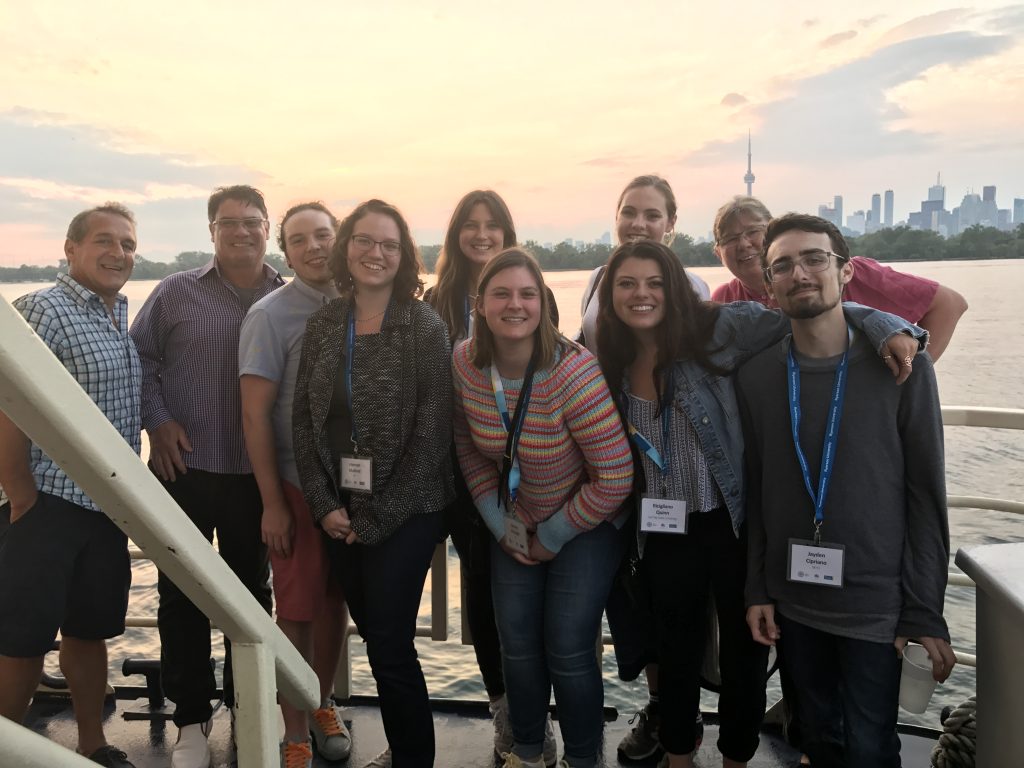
(371, 317)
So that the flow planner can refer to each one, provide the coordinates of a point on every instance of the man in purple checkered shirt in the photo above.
(187, 336)
(63, 564)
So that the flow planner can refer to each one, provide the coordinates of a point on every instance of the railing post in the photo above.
(998, 571)
(256, 727)
(439, 592)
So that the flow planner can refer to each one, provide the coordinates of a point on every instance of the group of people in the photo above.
(663, 467)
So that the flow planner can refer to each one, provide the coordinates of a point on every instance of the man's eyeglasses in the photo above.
(252, 225)
(752, 234)
(387, 247)
(814, 260)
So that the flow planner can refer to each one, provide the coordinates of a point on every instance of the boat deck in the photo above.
(463, 732)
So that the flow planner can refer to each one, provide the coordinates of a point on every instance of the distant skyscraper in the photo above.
(1018, 210)
(748, 177)
(837, 204)
(988, 194)
(876, 212)
(888, 207)
(938, 192)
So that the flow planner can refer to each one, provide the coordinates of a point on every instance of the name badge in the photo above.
(516, 536)
(357, 473)
(663, 516)
(813, 563)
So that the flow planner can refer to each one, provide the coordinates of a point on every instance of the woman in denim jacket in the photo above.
(668, 358)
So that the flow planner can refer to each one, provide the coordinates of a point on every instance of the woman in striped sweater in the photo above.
(546, 461)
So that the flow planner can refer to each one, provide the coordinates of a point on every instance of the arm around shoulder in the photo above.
(941, 318)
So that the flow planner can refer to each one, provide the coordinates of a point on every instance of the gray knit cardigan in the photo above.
(403, 402)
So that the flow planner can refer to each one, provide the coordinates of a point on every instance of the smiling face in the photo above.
(481, 236)
(511, 305)
(376, 266)
(803, 295)
(739, 249)
(642, 215)
(103, 260)
(308, 236)
(638, 294)
(239, 233)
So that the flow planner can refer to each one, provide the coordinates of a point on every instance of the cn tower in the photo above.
(748, 178)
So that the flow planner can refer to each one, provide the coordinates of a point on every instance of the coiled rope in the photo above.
(957, 743)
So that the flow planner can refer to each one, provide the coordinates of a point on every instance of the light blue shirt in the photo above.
(74, 323)
(270, 345)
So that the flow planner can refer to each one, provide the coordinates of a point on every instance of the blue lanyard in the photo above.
(831, 440)
(465, 318)
(645, 445)
(510, 474)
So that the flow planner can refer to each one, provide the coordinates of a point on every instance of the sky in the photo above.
(555, 104)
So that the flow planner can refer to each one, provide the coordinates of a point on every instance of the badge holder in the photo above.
(816, 561)
(356, 472)
(516, 535)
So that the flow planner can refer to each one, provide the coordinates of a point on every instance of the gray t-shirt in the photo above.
(270, 345)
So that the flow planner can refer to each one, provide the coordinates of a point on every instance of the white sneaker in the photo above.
(383, 760)
(192, 749)
(333, 741)
(503, 740)
(515, 761)
(550, 745)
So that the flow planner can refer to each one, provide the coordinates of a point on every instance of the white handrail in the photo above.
(39, 395)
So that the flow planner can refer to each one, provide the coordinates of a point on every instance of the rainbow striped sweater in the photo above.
(573, 455)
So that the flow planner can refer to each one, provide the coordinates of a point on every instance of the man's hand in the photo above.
(166, 443)
(939, 652)
(277, 527)
(899, 353)
(761, 620)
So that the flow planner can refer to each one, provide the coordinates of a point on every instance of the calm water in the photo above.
(983, 365)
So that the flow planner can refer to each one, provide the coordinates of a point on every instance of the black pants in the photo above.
(684, 569)
(231, 506)
(383, 586)
(472, 540)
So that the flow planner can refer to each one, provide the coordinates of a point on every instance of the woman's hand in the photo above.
(336, 524)
(899, 355)
(538, 551)
(515, 554)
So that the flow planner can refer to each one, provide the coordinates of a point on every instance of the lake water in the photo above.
(982, 366)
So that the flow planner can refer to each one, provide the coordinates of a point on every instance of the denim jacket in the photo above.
(742, 330)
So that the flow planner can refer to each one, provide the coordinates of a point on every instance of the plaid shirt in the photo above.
(74, 323)
(187, 335)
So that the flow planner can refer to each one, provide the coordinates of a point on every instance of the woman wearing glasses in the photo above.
(480, 227)
(545, 459)
(372, 420)
(668, 358)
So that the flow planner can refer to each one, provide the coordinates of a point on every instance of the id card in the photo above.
(357, 473)
(663, 516)
(516, 536)
(812, 563)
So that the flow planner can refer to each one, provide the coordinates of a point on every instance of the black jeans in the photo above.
(684, 570)
(472, 540)
(383, 586)
(231, 506)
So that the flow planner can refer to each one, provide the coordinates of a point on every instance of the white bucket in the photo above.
(916, 681)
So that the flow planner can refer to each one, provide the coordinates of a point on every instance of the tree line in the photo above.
(895, 244)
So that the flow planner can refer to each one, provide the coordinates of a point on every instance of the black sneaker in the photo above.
(111, 757)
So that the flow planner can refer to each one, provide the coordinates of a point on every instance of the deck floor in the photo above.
(463, 734)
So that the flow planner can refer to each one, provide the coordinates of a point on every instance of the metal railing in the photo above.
(39, 395)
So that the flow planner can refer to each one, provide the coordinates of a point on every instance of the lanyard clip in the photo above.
(817, 534)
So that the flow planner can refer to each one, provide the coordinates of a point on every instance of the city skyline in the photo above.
(418, 105)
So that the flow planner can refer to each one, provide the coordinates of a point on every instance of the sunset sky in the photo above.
(555, 105)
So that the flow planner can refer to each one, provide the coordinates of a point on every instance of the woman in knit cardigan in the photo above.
(544, 456)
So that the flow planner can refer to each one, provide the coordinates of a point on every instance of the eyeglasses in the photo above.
(254, 224)
(387, 247)
(814, 260)
(751, 235)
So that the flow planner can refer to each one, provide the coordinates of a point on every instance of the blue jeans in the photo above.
(548, 619)
(848, 696)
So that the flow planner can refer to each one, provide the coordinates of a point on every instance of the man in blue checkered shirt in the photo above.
(63, 564)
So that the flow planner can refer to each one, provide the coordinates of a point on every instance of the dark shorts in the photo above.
(62, 567)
